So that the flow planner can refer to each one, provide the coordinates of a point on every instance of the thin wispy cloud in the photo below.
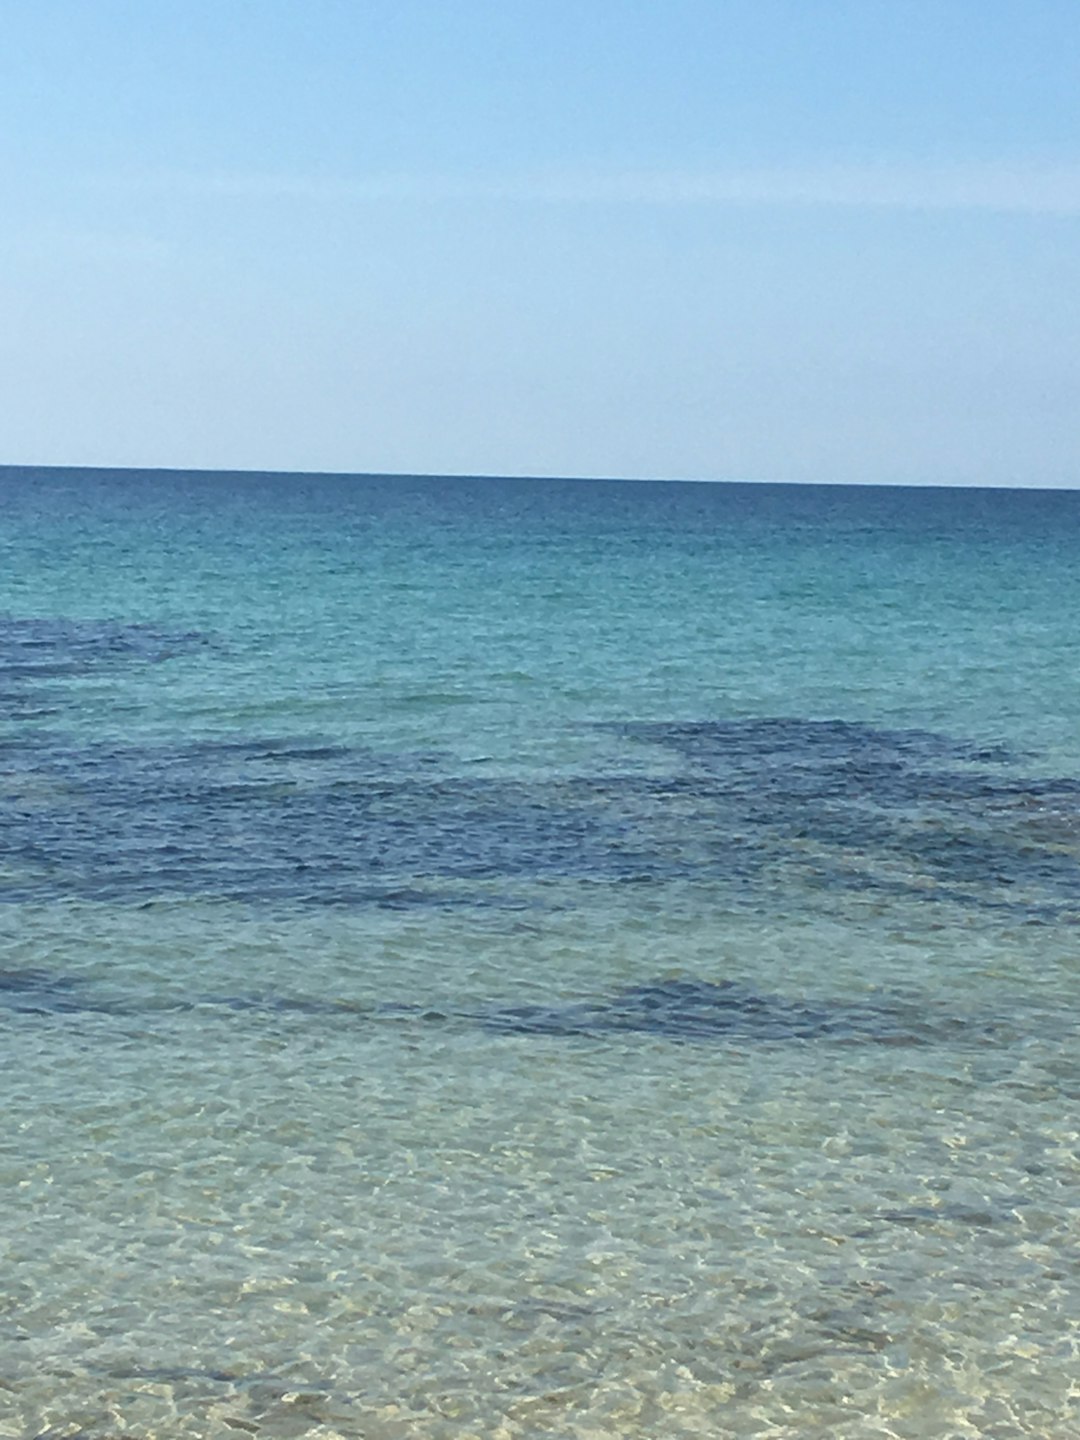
(1014, 188)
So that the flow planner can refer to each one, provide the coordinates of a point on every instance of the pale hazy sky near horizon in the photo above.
(831, 240)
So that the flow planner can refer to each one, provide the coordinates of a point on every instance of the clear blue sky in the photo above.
(812, 240)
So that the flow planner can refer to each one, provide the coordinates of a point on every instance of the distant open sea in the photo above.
(516, 958)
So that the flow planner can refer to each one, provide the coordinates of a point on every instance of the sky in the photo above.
(804, 240)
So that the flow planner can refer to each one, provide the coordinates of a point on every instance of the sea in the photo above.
(537, 958)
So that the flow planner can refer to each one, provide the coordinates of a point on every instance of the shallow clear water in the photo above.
(512, 958)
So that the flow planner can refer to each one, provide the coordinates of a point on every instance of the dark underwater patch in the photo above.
(40, 657)
(898, 811)
(689, 1010)
(849, 741)
(670, 1008)
(683, 1009)
(764, 807)
(42, 992)
(45, 648)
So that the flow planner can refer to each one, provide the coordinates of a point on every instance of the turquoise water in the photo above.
(520, 958)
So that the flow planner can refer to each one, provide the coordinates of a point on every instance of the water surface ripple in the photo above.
(534, 959)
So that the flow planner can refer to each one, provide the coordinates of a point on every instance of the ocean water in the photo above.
(494, 958)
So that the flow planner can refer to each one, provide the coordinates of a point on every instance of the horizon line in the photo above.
(233, 471)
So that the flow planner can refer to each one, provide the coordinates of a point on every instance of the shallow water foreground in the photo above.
(648, 1007)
